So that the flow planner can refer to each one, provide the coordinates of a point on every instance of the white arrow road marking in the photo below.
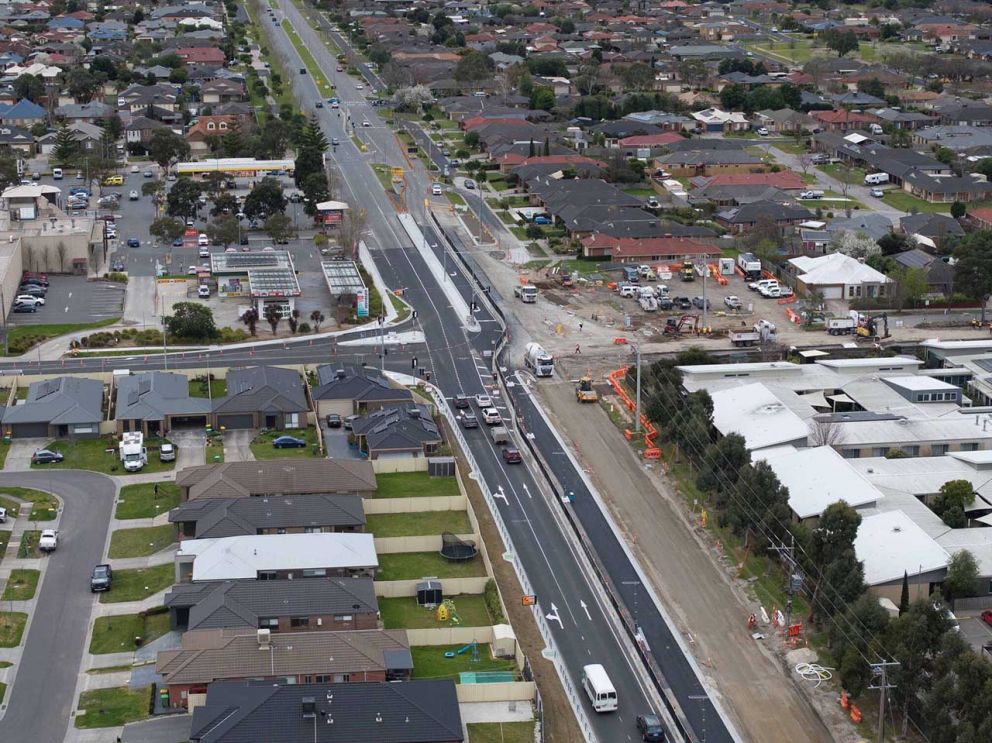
(527, 490)
(585, 609)
(500, 494)
(552, 616)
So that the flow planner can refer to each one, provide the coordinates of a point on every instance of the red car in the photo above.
(512, 456)
(987, 617)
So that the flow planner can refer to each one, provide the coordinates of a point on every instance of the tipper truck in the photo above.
(536, 358)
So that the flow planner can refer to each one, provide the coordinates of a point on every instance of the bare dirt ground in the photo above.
(708, 604)
(560, 725)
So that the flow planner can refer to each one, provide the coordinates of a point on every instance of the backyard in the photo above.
(413, 484)
(138, 583)
(105, 708)
(908, 203)
(429, 662)
(500, 732)
(414, 565)
(21, 585)
(146, 500)
(198, 387)
(403, 612)
(417, 524)
(262, 446)
(141, 542)
(99, 455)
(121, 632)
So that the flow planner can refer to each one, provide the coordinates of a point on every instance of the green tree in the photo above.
(637, 76)
(225, 231)
(473, 67)
(82, 84)
(265, 199)
(958, 209)
(31, 87)
(471, 139)
(722, 463)
(854, 635)
(914, 639)
(912, 284)
(279, 227)
(693, 71)
(167, 148)
(872, 86)
(66, 149)
(830, 553)
(272, 316)
(761, 505)
(962, 578)
(167, 229)
(316, 190)
(183, 198)
(312, 136)
(904, 595)
(842, 42)
(952, 501)
(542, 99)
(8, 169)
(224, 203)
(233, 142)
(191, 321)
(151, 188)
(973, 270)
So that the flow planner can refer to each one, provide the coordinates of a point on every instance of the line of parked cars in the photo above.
(31, 293)
(770, 288)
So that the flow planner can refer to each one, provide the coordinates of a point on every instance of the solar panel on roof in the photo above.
(985, 364)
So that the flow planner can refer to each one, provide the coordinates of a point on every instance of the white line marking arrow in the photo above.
(552, 616)
(585, 609)
(527, 490)
(500, 494)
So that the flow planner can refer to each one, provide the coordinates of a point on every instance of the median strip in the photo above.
(323, 86)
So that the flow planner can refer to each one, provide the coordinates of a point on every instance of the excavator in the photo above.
(873, 326)
(685, 325)
(584, 392)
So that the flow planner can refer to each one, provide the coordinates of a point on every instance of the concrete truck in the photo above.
(536, 358)
(134, 455)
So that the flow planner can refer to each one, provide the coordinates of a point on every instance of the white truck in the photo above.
(134, 455)
(841, 325)
(747, 338)
(536, 358)
(527, 293)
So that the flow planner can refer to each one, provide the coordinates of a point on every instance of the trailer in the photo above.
(539, 360)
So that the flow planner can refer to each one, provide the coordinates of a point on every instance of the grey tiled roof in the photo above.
(230, 517)
(277, 477)
(60, 401)
(154, 395)
(350, 382)
(268, 389)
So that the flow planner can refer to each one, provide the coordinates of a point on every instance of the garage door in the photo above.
(833, 292)
(235, 421)
(29, 430)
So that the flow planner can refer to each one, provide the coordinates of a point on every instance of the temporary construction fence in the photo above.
(650, 433)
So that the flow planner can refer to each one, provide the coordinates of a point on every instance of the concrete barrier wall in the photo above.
(408, 464)
(415, 505)
(393, 588)
(504, 691)
(423, 543)
(449, 635)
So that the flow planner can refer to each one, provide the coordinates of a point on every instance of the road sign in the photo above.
(529, 599)
(363, 302)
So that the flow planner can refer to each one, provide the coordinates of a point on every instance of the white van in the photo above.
(876, 129)
(873, 179)
(599, 688)
(57, 174)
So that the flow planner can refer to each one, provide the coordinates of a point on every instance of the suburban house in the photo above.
(647, 250)
(262, 397)
(329, 604)
(206, 129)
(272, 556)
(276, 477)
(709, 161)
(939, 273)
(843, 120)
(351, 389)
(156, 403)
(742, 218)
(289, 657)
(402, 432)
(838, 276)
(421, 711)
(947, 189)
(715, 120)
(205, 518)
(59, 408)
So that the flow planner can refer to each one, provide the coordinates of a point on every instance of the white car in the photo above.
(733, 302)
(770, 291)
(203, 291)
(436, 189)
(359, 86)
(366, 124)
(483, 401)
(491, 417)
(877, 193)
(202, 239)
(192, 271)
(134, 168)
(133, 196)
(29, 299)
(204, 251)
(627, 290)
(3, 515)
(762, 132)
(48, 541)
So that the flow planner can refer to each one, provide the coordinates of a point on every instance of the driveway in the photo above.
(190, 448)
(336, 443)
(167, 729)
(19, 454)
(236, 446)
(56, 635)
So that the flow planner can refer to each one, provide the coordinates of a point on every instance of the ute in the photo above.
(585, 392)
(101, 579)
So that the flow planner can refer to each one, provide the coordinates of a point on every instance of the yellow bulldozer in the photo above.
(584, 392)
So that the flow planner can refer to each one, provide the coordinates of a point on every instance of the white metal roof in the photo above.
(233, 558)
(755, 413)
(882, 364)
(977, 541)
(818, 477)
(911, 431)
(920, 383)
(836, 268)
(890, 544)
(922, 476)
(29, 192)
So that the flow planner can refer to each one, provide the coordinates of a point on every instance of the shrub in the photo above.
(305, 327)
(493, 603)
(116, 276)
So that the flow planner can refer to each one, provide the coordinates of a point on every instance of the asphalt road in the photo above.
(41, 700)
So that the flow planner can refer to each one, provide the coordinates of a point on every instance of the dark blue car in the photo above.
(133, 242)
(288, 442)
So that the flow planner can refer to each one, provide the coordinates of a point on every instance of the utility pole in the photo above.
(794, 580)
(637, 395)
(706, 271)
(880, 670)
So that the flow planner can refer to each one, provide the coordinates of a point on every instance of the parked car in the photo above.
(334, 420)
(21, 308)
(483, 401)
(469, 184)
(101, 579)
(469, 420)
(461, 402)
(349, 420)
(436, 189)
(733, 302)
(48, 541)
(133, 195)
(700, 303)
(203, 291)
(762, 131)
(118, 265)
(877, 193)
(682, 303)
(3, 515)
(987, 617)
(148, 174)
(29, 299)
(47, 456)
(651, 728)
(32, 289)
(167, 452)
(288, 442)
(512, 455)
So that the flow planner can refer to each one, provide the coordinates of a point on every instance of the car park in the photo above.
(333, 420)
(46, 456)
(511, 455)
(288, 442)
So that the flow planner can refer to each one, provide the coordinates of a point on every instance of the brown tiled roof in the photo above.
(277, 477)
(208, 655)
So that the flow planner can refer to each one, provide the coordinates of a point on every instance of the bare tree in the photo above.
(350, 231)
(824, 431)
(61, 249)
(805, 162)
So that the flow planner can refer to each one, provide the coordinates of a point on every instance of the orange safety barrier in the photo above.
(524, 280)
(787, 300)
(855, 714)
(651, 452)
(612, 286)
(619, 341)
(844, 704)
(628, 434)
(715, 273)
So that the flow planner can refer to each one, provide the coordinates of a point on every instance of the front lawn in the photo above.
(414, 565)
(215, 450)
(11, 628)
(141, 542)
(124, 632)
(146, 500)
(135, 584)
(417, 524)
(501, 732)
(21, 585)
(99, 455)
(4, 540)
(29, 544)
(413, 485)
(905, 202)
(44, 506)
(845, 174)
(262, 446)
(429, 662)
(4, 448)
(403, 612)
(107, 708)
